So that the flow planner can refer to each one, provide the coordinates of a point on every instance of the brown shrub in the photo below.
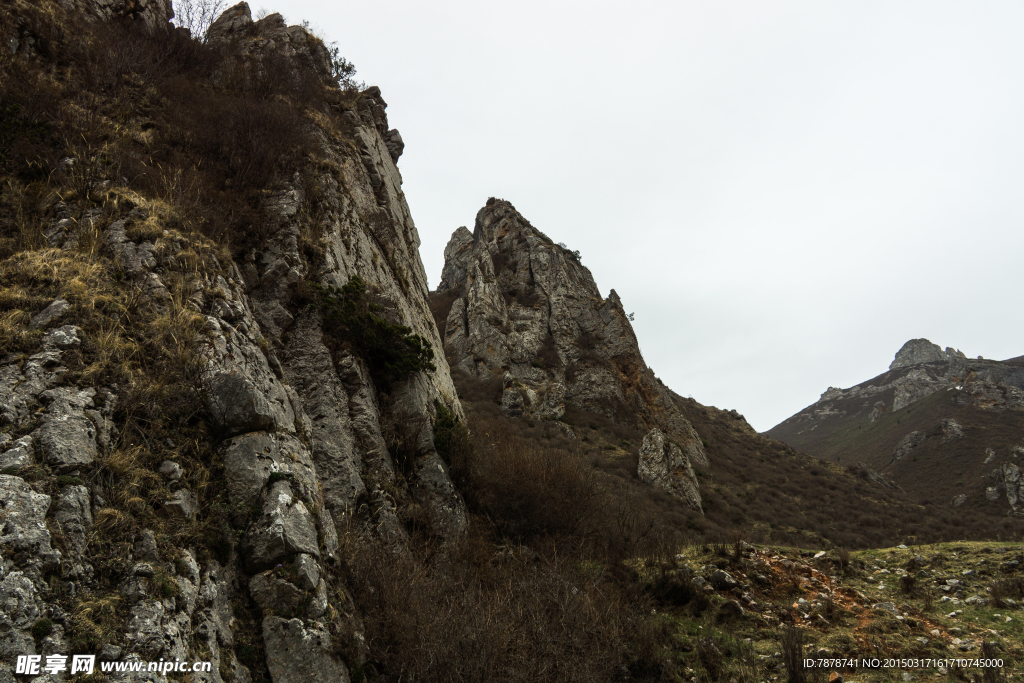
(547, 354)
(476, 615)
(1012, 588)
(441, 305)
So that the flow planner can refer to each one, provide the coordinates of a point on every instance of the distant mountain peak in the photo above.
(917, 351)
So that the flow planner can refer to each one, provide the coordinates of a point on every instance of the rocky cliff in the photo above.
(187, 429)
(526, 313)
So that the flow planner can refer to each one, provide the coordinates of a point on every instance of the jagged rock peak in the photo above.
(235, 24)
(527, 313)
(918, 351)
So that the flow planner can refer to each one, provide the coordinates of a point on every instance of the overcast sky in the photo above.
(783, 192)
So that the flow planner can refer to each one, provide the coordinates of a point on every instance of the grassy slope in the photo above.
(934, 471)
(839, 619)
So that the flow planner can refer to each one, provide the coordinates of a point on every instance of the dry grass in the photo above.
(96, 620)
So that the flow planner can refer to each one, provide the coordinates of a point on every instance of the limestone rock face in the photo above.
(24, 530)
(663, 463)
(1011, 483)
(298, 652)
(285, 528)
(529, 314)
(67, 438)
(297, 423)
(917, 351)
(254, 38)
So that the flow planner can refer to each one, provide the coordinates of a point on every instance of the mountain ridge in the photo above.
(934, 404)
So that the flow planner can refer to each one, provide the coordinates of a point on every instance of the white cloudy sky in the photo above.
(783, 192)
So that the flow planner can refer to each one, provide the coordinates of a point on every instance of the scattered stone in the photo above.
(144, 569)
(171, 470)
(990, 455)
(65, 337)
(887, 607)
(960, 500)
(723, 580)
(182, 504)
(109, 653)
(145, 547)
(57, 309)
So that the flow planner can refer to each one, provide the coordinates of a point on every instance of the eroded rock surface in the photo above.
(529, 315)
(663, 463)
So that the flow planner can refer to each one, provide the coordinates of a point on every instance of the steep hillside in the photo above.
(944, 428)
(218, 355)
(770, 491)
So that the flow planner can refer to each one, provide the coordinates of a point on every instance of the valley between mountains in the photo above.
(237, 427)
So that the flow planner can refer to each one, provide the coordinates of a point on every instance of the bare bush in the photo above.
(473, 615)
(197, 15)
(791, 642)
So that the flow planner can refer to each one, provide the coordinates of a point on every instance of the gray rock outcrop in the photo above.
(907, 443)
(301, 652)
(254, 39)
(529, 315)
(917, 351)
(299, 428)
(951, 430)
(664, 464)
(67, 438)
(1009, 482)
